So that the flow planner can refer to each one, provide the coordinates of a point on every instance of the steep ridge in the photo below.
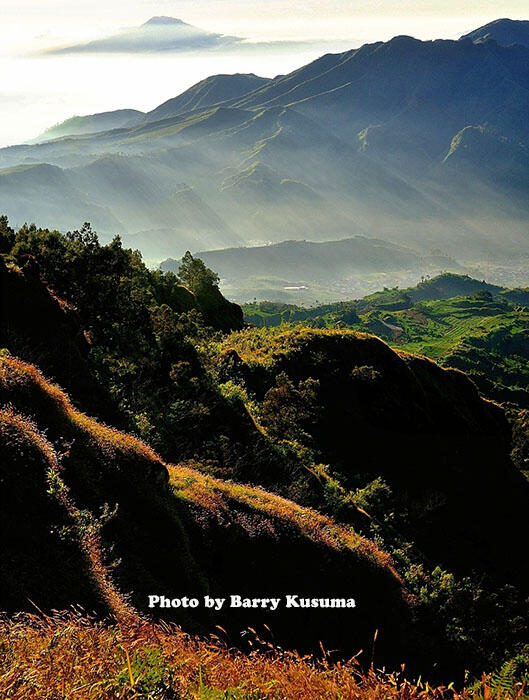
(406, 76)
(206, 93)
(100, 499)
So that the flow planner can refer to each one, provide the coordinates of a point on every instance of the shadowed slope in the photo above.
(198, 535)
(422, 428)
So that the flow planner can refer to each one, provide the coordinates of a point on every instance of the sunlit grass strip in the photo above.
(265, 345)
(87, 538)
(17, 375)
(215, 495)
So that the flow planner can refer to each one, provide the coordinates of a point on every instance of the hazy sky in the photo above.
(37, 91)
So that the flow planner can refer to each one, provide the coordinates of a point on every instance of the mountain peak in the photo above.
(505, 32)
(164, 21)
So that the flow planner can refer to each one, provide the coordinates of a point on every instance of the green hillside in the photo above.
(480, 328)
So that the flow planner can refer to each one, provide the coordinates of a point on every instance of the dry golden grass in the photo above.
(192, 485)
(218, 496)
(69, 656)
(17, 377)
(29, 432)
(89, 541)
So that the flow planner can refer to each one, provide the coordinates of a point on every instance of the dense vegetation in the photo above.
(460, 322)
(380, 467)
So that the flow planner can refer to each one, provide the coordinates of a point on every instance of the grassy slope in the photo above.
(137, 659)
(423, 429)
(112, 495)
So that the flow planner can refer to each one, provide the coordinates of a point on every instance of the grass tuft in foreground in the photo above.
(70, 655)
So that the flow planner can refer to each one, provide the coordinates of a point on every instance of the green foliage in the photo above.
(330, 419)
(145, 331)
(7, 236)
(290, 411)
(196, 276)
(151, 673)
(477, 327)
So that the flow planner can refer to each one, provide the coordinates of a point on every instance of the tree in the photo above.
(7, 235)
(196, 276)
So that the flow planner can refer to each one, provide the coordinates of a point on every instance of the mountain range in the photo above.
(420, 143)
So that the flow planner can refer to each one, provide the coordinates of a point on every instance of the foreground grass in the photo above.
(71, 656)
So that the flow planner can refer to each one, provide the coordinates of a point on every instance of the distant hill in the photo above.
(504, 31)
(449, 285)
(305, 260)
(306, 272)
(445, 286)
(46, 192)
(208, 92)
(159, 34)
(480, 328)
(91, 124)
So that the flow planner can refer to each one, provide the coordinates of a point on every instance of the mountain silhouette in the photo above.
(504, 31)
(406, 140)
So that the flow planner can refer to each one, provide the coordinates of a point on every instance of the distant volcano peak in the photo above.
(165, 21)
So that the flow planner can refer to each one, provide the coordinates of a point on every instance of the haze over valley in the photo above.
(423, 144)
